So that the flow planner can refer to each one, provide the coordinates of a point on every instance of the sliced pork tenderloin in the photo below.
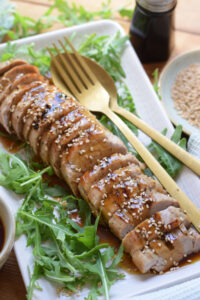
(58, 128)
(5, 66)
(124, 220)
(102, 168)
(19, 112)
(45, 102)
(53, 112)
(162, 241)
(8, 104)
(63, 142)
(126, 197)
(153, 228)
(13, 78)
(84, 153)
(160, 255)
(104, 187)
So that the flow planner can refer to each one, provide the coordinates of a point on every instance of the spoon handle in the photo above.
(186, 158)
(170, 185)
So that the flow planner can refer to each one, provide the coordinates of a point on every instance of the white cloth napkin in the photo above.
(194, 145)
(189, 290)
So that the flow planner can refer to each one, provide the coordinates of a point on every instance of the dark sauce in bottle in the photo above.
(152, 33)
(1, 235)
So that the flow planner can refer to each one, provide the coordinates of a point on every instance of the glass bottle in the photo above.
(152, 29)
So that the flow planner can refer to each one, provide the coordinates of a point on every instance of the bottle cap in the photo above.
(157, 6)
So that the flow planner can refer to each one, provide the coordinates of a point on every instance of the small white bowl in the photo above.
(167, 78)
(8, 221)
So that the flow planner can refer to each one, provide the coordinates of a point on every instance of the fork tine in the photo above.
(65, 58)
(64, 75)
(87, 82)
(85, 67)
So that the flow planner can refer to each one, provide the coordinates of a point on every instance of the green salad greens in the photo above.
(13, 25)
(155, 83)
(66, 251)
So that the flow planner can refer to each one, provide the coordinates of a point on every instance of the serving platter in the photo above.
(150, 109)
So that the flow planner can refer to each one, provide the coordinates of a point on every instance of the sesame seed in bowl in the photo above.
(186, 94)
(180, 91)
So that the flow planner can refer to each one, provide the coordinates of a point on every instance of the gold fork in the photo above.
(83, 85)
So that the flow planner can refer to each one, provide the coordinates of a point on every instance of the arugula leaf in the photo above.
(107, 52)
(104, 278)
(16, 26)
(64, 252)
(6, 17)
(33, 285)
(54, 191)
(171, 164)
(12, 169)
(155, 82)
(125, 12)
(73, 14)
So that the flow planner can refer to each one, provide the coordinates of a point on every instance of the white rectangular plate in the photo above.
(150, 109)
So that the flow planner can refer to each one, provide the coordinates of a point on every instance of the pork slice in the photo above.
(161, 201)
(166, 248)
(17, 72)
(13, 77)
(171, 254)
(101, 190)
(137, 196)
(112, 209)
(120, 223)
(22, 106)
(131, 195)
(154, 228)
(130, 190)
(117, 197)
(47, 101)
(58, 128)
(9, 64)
(195, 234)
(177, 245)
(161, 254)
(8, 104)
(146, 259)
(102, 168)
(43, 124)
(141, 206)
(101, 196)
(84, 154)
(63, 142)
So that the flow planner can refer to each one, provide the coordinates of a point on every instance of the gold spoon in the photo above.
(108, 83)
(79, 77)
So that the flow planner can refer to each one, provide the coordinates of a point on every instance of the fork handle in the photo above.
(186, 158)
(170, 185)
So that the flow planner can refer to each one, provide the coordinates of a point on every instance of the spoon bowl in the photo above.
(109, 85)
